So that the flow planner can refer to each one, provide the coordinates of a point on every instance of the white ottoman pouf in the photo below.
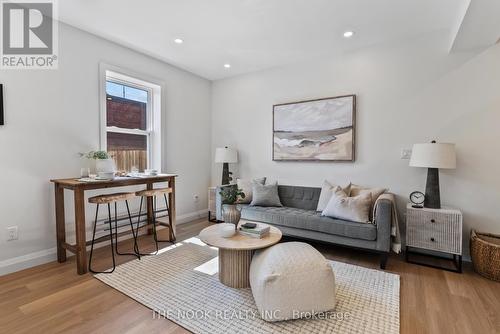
(291, 280)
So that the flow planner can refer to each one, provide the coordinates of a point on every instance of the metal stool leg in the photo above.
(139, 217)
(136, 246)
(154, 223)
(93, 238)
(171, 227)
(116, 235)
(110, 238)
(171, 234)
(155, 236)
(137, 229)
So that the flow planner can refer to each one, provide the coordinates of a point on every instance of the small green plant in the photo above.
(230, 195)
(95, 155)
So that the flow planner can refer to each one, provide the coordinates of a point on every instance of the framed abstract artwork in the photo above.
(2, 120)
(315, 130)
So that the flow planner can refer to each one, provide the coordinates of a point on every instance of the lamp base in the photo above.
(432, 195)
(225, 174)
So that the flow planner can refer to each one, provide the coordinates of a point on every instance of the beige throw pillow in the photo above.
(356, 209)
(246, 186)
(375, 192)
(327, 189)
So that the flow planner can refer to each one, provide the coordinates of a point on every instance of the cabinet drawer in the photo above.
(434, 230)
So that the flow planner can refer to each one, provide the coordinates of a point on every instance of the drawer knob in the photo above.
(433, 221)
(432, 239)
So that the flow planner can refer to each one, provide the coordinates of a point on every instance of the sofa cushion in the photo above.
(265, 195)
(246, 187)
(356, 209)
(327, 190)
(299, 197)
(309, 220)
(375, 193)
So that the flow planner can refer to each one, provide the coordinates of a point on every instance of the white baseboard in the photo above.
(189, 217)
(27, 261)
(48, 255)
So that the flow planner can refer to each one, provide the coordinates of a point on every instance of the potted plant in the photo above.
(230, 211)
(103, 163)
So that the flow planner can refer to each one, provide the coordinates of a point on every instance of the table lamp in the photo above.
(226, 155)
(433, 156)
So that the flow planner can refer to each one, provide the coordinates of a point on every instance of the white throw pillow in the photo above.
(246, 186)
(327, 189)
(356, 209)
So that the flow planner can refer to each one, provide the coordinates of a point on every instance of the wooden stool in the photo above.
(108, 199)
(154, 193)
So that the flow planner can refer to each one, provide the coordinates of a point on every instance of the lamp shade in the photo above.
(226, 154)
(434, 155)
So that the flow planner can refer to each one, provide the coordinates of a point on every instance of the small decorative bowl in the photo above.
(151, 172)
(106, 175)
(227, 230)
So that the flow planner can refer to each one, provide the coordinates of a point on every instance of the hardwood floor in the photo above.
(52, 298)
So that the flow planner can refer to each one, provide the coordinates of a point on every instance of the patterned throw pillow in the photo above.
(246, 186)
(265, 195)
(327, 190)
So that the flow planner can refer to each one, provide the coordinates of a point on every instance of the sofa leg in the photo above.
(383, 260)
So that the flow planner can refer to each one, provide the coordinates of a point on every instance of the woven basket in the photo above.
(485, 254)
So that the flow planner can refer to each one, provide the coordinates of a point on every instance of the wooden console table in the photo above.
(79, 188)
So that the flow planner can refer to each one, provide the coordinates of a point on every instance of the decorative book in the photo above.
(258, 232)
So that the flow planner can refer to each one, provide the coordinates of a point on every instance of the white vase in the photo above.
(105, 165)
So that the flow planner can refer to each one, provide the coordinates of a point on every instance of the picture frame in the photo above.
(315, 130)
(2, 118)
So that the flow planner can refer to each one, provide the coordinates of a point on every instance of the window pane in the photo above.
(114, 89)
(128, 150)
(136, 94)
(125, 113)
(130, 93)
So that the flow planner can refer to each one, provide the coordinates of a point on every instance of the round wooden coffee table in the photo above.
(235, 253)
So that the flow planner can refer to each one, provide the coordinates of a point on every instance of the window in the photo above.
(131, 122)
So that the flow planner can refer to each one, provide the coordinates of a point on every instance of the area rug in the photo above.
(180, 284)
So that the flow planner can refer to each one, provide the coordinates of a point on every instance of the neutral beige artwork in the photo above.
(320, 129)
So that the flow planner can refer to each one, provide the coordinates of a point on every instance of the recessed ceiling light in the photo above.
(348, 34)
(178, 40)
(227, 65)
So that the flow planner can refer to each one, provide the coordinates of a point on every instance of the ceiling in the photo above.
(253, 35)
(480, 26)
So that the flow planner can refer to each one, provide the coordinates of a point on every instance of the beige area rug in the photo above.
(182, 284)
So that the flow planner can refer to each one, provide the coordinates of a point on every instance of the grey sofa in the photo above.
(298, 218)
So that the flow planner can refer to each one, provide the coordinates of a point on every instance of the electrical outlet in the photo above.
(196, 198)
(12, 233)
(406, 153)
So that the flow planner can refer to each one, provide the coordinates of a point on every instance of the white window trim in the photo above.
(155, 103)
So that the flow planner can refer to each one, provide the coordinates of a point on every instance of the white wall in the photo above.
(51, 115)
(407, 92)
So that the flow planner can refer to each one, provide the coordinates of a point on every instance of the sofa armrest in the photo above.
(383, 219)
(218, 201)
